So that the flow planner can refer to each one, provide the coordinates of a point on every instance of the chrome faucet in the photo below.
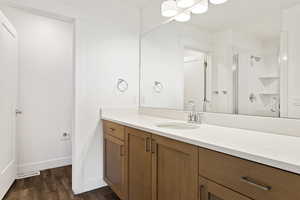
(194, 116)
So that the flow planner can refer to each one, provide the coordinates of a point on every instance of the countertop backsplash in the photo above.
(281, 126)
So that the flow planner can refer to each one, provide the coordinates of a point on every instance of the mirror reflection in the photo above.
(239, 57)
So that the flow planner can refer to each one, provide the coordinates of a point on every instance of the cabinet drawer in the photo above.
(113, 129)
(254, 180)
(212, 191)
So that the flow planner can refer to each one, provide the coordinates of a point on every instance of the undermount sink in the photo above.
(177, 125)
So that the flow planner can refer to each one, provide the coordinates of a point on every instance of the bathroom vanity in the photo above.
(222, 62)
(145, 162)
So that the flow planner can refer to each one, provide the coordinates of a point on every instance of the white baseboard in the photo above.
(93, 184)
(33, 169)
(89, 185)
(28, 174)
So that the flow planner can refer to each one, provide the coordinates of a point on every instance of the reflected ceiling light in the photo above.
(201, 7)
(185, 3)
(183, 17)
(169, 8)
(216, 2)
(284, 58)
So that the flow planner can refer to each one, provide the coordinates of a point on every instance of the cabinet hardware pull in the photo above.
(153, 146)
(201, 190)
(147, 145)
(112, 129)
(121, 151)
(253, 183)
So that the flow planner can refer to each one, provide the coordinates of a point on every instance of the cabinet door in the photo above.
(174, 170)
(139, 164)
(212, 191)
(115, 165)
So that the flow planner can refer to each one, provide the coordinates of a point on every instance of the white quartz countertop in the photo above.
(278, 151)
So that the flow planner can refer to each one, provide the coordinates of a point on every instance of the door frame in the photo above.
(9, 173)
(72, 21)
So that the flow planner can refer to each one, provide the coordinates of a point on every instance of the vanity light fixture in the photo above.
(169, 8)
(181, 10)
(217, 2)
(200, 8)
(183, 17)
(185, 3)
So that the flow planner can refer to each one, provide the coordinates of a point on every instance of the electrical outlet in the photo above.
(65, 136)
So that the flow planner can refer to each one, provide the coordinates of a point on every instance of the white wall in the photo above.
(106, 49)
(195, 38)
(193, 79)
(291, 68)
(222, 72)
(151, 15)
(194, 84)
(162, 60)
(46, 90)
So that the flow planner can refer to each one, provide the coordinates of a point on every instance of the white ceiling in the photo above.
(141, 3)
(144, 3)
(259, 17)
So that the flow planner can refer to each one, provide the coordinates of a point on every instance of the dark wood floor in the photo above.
(54, 184)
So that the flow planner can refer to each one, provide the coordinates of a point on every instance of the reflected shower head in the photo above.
(256, 58)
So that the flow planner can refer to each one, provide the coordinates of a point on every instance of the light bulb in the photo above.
(185, 3)
(183, 17)
(216, 2)
(200, 8)
(169, 8)
(284, 58)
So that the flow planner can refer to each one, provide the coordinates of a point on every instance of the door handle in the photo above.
(201, 192)
(18, 112)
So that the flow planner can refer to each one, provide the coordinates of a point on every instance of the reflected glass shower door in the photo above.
(235, 71)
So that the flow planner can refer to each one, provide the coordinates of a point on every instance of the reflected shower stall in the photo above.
(245, 76)
(255, 84)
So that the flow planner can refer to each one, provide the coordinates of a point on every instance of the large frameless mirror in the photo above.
(239, 57)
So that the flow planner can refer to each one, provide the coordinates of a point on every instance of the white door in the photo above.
(46, 91)
(8, 103)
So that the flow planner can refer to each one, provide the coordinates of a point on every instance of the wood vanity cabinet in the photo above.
(139, 164)
(144, 166)
(115, 159)
(161, 168)
(254, 180)
(174, 170)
